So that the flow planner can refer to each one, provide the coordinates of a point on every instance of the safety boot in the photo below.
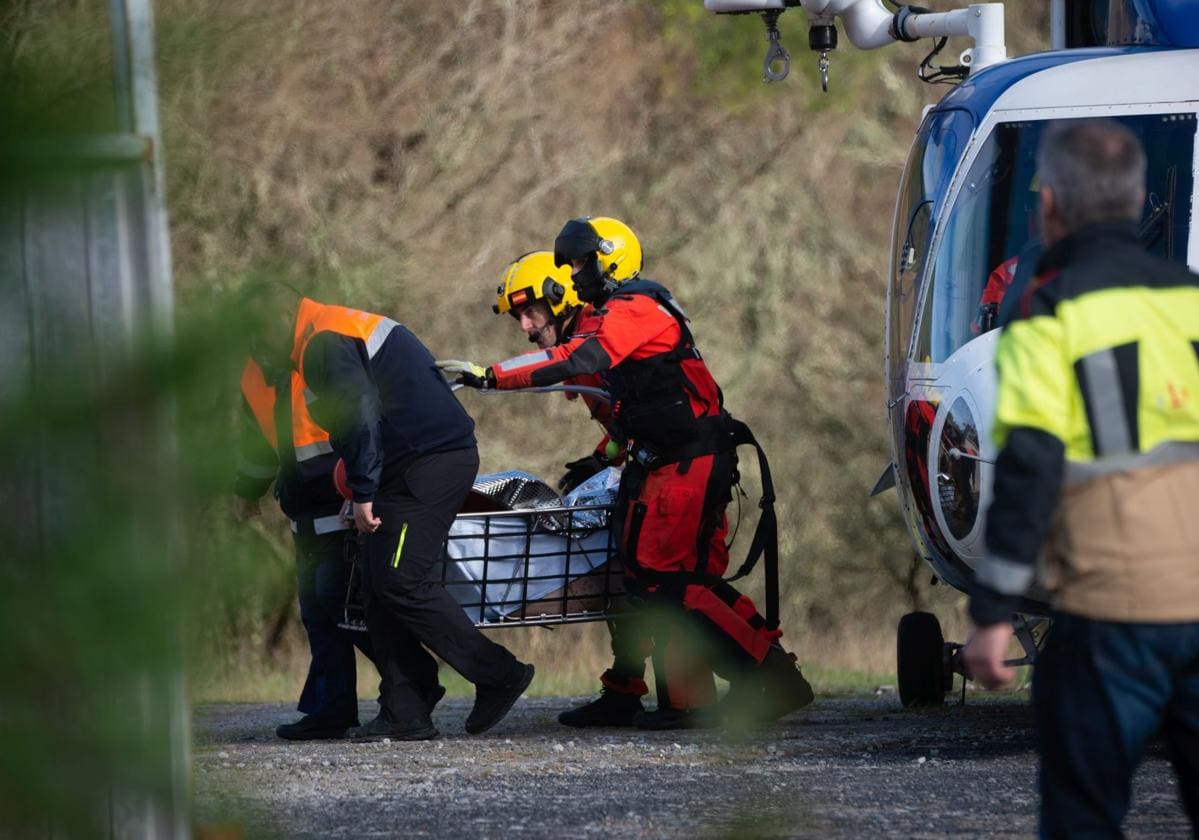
(609, 709)
(315, 728)
(766, 693)
(416, 728)
(668, 717)
(783, 685)
(492, 702)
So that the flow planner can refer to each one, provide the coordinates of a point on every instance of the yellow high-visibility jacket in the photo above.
(1097, 423)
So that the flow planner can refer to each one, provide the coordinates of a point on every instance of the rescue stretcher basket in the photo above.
(545, 565)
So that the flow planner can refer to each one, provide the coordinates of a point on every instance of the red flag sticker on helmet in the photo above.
(518, 298)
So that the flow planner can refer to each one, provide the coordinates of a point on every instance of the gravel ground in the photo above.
(845, 767)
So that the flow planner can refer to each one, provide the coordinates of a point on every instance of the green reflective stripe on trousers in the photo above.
(395, 562)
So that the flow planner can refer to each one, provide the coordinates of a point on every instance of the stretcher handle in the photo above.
(590, 390)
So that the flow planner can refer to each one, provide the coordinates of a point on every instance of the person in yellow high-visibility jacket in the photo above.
(1098, 422)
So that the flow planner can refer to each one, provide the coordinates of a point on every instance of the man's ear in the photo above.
(1046, 200)
(1051, 221)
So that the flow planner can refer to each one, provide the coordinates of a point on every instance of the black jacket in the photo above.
(382, 411)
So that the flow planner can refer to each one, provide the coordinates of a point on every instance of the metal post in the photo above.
(1057, 24)
(163, 702)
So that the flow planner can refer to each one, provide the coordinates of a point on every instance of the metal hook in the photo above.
(775, 52)
(823, 64)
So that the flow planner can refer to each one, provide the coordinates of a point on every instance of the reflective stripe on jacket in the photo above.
(640, 347)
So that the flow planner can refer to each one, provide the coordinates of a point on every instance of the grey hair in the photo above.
(1096, 169)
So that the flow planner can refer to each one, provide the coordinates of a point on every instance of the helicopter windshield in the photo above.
(991, 243)
(931, 162)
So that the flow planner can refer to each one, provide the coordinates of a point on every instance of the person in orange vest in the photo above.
(410, 458)
(299, 462)
(679, 477)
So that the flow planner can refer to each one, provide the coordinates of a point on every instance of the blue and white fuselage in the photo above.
(966, 208)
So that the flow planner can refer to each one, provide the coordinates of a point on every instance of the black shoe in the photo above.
(314, 728)
(665, 717)
(413, 729)
(609, 709)
(492, 702)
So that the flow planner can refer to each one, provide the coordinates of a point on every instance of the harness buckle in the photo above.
(647, 458)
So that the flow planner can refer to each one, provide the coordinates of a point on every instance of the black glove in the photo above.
(468, 373)
(579, 471)
(473, 380)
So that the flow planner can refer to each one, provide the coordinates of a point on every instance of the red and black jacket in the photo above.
(663, 395)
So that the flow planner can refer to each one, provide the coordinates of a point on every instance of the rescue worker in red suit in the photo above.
(281, 445)
(680, 474)
(540, 296)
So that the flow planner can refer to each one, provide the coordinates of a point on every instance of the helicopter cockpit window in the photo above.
(991, 243)
(931, 162)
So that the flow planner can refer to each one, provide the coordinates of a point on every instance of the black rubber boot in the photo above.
(783, 685)
(609, 709)
(765, 694)
(665, 717)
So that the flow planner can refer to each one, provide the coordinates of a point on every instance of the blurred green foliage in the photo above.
(394, 157)
(55, 67)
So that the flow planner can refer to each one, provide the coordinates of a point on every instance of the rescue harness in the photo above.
(651, 401)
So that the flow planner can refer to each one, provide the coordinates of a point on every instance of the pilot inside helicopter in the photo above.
(1020, 265)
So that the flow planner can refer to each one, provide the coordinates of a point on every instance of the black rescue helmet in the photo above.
(576, 241)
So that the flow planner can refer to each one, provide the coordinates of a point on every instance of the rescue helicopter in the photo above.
(965, 240)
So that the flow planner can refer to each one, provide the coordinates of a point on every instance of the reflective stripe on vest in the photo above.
(308, 451)
(321, 525)
(314, 317)
(378, 335)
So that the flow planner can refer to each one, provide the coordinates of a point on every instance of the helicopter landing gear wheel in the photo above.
(920, 659)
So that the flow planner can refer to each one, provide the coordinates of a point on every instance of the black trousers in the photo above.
(407, 608)
(322, 574)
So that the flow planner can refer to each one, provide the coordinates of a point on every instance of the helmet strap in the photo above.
(565, 323)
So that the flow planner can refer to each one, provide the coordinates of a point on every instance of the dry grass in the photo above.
(395, 155)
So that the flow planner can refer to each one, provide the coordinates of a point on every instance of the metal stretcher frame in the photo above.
(492, 580)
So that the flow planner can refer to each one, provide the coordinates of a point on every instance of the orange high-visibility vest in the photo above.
(309, 439)
(314, 317)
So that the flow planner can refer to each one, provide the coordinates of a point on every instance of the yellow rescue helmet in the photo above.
(532, 277)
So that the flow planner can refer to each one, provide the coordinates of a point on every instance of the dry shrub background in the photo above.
(394, 155)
